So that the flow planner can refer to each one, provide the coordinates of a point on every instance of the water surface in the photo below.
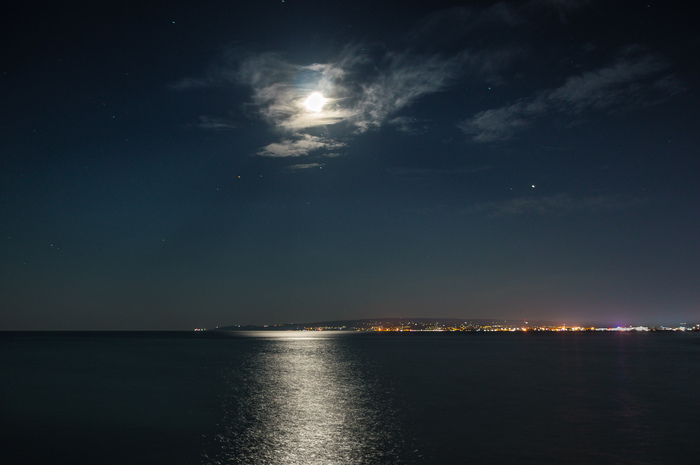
(331, 398)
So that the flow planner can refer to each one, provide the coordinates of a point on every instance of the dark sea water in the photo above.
(349, 398)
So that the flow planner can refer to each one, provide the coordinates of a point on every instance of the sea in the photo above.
(325, 397)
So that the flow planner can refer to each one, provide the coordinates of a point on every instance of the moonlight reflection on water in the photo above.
(301, 399)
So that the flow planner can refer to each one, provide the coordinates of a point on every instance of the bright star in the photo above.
(315, 102)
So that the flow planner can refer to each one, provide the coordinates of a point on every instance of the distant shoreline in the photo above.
(448, 325)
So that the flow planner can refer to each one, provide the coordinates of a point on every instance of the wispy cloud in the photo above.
(211, 122)
(404, 79)
(298, 146)
(526, 205)
(502, 123)
(555, 204)
(306, 166)
(623, 81)
(408, 125)
(633, 80)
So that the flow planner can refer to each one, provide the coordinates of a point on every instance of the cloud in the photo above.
(670, 85)
(606, 87)
(404, 79)
(630, 82)
(525, 205)
(299, 146)
(408, 125)
(210, 122)
(306, 166)
(361, 92)
(556, 204)
(279, 89)
(190, 83)
(502, 123)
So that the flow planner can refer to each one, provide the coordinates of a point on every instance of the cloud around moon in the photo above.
(358, 95)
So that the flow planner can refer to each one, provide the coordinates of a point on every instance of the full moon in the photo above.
(315, 102)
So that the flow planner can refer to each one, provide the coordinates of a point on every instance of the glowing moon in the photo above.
(315, 102)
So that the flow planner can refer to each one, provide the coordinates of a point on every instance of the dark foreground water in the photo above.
(349, 398)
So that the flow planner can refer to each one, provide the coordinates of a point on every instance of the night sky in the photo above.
(526, 160)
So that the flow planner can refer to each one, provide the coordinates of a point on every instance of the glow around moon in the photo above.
(315, 102)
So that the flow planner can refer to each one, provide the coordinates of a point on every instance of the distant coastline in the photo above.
(447, 325)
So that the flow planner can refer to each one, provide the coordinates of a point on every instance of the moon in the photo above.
(315, 102)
